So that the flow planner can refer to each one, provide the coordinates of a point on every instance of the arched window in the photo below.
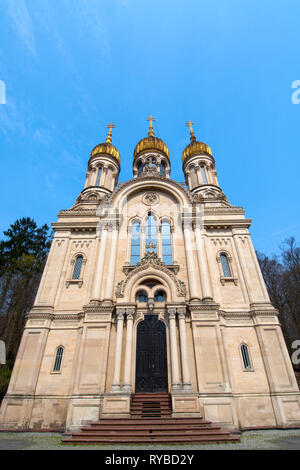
(166, 242)
(225, 265)
(162, 169)
(99, 176)
(203, 174)
(245, 356)
(77, 267)
(151, 233)
(142, 296)
(58, 359)
(140, 169)
(135, 243)
(159, 296)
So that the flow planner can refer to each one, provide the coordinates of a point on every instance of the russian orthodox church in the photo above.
(152, 286)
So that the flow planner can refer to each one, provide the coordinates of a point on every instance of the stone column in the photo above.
(96, 293)
(128, 354)
(93, 177)
(87, 179)
(103, 176)
(203, 269)
(174, 351)
(186, 378)
(173, 235)
(113, 181)
(118, 352)
(199, 174)
(143, 240)
(108, 296)
(194, 291)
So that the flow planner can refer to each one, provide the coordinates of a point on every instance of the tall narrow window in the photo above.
(58, 359)
(225, 265)
(98, 176)
(77, 267)
(245, 356)
(166, 242)
(151, 234)
(135, 243)
(203, 174)
(140, 169)
(163, 169)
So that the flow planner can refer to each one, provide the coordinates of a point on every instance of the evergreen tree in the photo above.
(22, 257)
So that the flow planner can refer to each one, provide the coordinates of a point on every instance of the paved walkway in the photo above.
(250, 440)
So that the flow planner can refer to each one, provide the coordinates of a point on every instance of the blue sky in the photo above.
(72, 66)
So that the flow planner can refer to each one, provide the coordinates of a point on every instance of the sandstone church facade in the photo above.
(152, 286)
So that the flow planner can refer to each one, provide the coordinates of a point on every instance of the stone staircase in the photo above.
(151, 422)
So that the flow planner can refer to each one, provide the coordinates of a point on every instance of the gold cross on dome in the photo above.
(190, 125)
(110, 126)
(151, 119)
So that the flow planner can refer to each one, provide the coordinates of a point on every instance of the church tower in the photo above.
(198, 166)
(103, 170)
(151, 155)
(152, 287)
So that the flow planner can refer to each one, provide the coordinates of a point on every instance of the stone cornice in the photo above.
(85, 226)
(229, 223)
(77, 212)
(95, 306)
(58, 316)
(224, 210)
(203, 306)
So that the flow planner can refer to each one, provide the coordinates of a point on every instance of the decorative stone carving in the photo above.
(150, 199)
(153, 261)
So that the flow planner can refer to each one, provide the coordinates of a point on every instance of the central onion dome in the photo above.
(195, 147)
(151, 143)
(106, 147)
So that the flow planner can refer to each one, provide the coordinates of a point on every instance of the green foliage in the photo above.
(282, 278)
(25, 247)
(5, 373)
(23, 253)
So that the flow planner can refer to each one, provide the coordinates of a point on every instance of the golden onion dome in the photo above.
(195, 147)
(151, 142)
(107, 147)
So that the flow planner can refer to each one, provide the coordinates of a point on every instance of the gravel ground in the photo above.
(250, 440)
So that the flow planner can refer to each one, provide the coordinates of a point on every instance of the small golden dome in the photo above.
(151, 142)
(107, 147)
(195, 147)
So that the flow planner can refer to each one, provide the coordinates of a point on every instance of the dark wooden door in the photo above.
(151, 356)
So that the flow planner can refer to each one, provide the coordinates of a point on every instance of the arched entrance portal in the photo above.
(151, 356)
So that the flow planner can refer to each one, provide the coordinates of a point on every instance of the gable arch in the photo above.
(171, 187)
(127, 289)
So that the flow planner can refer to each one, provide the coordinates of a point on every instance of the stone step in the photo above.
(149, 427)
(141, 421)
(142, 439)
(152, 395)
(147, 432)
